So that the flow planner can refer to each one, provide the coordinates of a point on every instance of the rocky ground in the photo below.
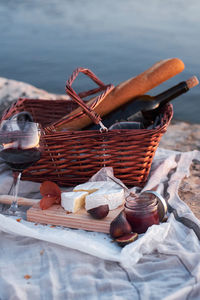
(180, 136)
(11, 90)
(183, 136)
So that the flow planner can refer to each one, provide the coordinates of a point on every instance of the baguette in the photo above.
(126, 91)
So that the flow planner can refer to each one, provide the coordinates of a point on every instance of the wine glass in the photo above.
(20, 148)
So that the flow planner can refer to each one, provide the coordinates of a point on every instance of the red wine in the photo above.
(20, 159)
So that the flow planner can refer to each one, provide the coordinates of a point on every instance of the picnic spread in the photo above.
(96, 212)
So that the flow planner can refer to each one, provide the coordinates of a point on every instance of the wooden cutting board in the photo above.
(56, 215)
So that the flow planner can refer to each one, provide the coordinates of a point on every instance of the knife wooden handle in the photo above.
(126, 91)
(7, 199)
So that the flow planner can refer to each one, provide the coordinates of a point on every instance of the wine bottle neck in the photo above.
(172, 93)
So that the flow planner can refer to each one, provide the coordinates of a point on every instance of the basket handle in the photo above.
(104, 89)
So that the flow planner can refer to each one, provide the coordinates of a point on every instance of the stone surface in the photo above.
(180, 136)
(11, 90)
(189, 190)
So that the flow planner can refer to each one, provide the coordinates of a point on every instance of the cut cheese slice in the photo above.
(113, 197)
(89, 187)
(93, 186)
(73, 201)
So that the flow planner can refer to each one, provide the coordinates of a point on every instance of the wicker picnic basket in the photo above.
(71, 157)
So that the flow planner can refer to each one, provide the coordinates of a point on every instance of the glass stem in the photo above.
(16, 181)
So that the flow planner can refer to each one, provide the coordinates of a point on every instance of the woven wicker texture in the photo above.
(72, 157)
(43, 111)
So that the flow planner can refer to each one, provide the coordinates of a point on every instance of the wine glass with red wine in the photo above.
(20, 148)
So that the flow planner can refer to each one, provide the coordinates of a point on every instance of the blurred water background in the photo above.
(43, 41)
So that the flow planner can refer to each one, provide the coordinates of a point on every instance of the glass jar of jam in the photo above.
(141, 212)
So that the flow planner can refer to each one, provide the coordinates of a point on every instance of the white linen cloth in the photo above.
(63, 263)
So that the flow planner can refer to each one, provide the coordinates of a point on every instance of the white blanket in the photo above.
(41, 262)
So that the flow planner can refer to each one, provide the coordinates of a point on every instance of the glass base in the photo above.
(14, 210)
(14, 213)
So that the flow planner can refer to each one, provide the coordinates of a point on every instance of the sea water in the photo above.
(43, 41)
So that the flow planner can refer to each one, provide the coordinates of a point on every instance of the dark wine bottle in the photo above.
(160, 100)
(148, 105)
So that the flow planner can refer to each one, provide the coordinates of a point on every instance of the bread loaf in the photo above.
(126, 91)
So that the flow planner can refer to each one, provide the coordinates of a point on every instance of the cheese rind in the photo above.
(93, 186)
(73, 201)
(113, 197)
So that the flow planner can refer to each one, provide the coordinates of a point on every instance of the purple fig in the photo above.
(120, 226)
(99, 212)
(126, 239)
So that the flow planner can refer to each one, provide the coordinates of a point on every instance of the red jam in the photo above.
(141, 213)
